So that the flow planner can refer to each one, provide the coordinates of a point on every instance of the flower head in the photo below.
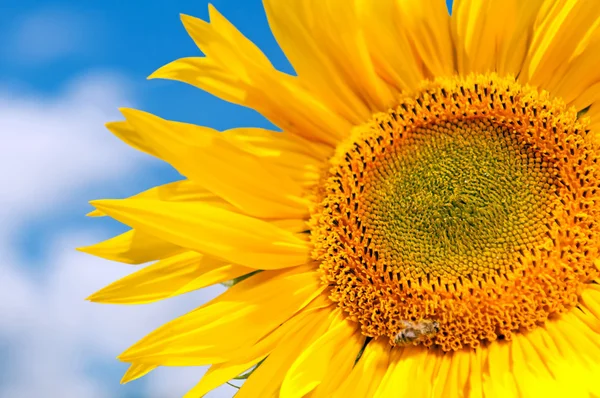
(427, 223)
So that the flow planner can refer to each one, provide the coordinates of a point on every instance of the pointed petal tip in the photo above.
(134, 116)
(100, 250)
(97, 297)
(100, 203)
(101, 296)
(129, 378)
(91, 298)
(129, 355)
(87, 250)
(193, 24)
(187, 20)
(212, 11)
(117, 127)
(133, 353)
(106, 205)
(153, 75)
(158, 73)
(94, 213)
(96, 203)
(124, 356)
(127, 112)
(137, 371)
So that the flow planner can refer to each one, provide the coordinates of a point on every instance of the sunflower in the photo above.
(426, 224)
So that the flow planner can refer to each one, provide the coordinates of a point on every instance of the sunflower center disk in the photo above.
(464, 215)
(457, 202)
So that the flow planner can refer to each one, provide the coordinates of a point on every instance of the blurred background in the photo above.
(65, 68)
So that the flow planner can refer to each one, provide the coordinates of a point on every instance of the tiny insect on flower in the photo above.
(415, 331)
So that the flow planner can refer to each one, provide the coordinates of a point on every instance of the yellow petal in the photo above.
(329, 357)
(389, 384)
(530, 371)
(235, 70)
(587, 344)
(411, 363)
(221, 41)
(238, 318)
(135, 371)
(493, 35)
(206, 74)
(590, 298)
(455, 381)
(425, 25)
(273, 145)
(178, 191)
(133, 247)
(170, 277)
(296, 157)
(295, 16)
(187, 191)
(419, 364)
(219, 373)
(390, 51)
(266, 380)
(594, 115)
(217, 232)
(501, 380)
(299, 228)
(442, 368)
(336, 67)
(475, 378)
(300, 159)
(130, 136)
(340, 365)
(366, 375)
(580, 83)
(95, 213)
(207, 158)
(559, 31)
(566, 65)
(565, 357)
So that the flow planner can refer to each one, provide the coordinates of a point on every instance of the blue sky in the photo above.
(65, 68)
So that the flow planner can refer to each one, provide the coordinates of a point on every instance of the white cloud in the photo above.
(52, 146)
(48, 34)
(52, 149)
